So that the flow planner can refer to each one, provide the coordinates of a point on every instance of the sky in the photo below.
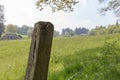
(85, 14)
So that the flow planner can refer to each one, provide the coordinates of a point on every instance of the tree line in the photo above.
(66, 32)
(69, 32)
(23, 30)
(101, 30)
(98, 30)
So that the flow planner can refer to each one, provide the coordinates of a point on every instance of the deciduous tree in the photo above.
(57, 5)
(10, 28)
(1, 20)
(110, 5)
(67, 5)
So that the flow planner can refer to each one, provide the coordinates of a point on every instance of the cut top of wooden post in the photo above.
(39, 55)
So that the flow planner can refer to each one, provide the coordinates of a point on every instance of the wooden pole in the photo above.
(39, 55)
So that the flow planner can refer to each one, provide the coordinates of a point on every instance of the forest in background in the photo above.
(66, 32)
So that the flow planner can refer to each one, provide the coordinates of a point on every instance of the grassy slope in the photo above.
(69, 56)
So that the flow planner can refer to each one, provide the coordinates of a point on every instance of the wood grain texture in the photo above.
(39, 55)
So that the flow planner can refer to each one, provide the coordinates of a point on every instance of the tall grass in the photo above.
(72, 58)
(13, 57)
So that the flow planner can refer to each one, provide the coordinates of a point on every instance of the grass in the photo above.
(13, 57)
(72, 58)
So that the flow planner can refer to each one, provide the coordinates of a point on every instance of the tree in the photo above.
(1, 20)
(23, 30)
(101, 31)
(67, 5)
(93, 32)
(112, 5)
(110, 29)
(10, 28)
(67, 32)
(79, 31)
(57, 5)
(1, 29)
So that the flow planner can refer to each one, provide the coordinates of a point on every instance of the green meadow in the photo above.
(72, 58)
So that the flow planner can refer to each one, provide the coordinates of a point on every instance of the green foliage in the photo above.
(105, 66)
(92, 32)
(67, 5)
(13, 59)
(79, 31)
(1, 19)
(110, 5)
(101, 30)
(1, 29)
(86, 63)
(57, 5)
(76, 31)
(109, 60)
(72, 58)
(10, 28)
(23, 30)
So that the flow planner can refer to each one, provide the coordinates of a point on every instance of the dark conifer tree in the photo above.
(1, 19)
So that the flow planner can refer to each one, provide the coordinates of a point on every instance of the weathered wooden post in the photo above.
(39, 55)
